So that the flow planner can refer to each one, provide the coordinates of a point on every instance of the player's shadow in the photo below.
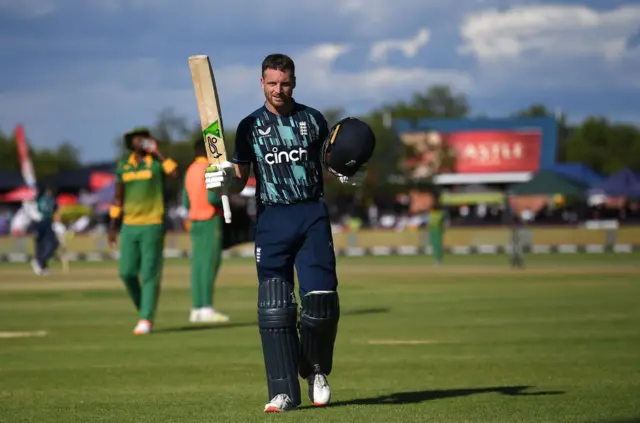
(364, 311)
(198, 327)
(416, 397)
(232, 325)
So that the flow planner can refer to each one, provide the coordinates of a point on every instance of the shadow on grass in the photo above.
(400, 398)
(232, 325)
(198, 327)
(363, 311)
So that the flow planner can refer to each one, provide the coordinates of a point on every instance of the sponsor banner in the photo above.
(474, 151)
(495, 151)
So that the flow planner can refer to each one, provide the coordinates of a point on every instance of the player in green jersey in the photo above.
(139, 200)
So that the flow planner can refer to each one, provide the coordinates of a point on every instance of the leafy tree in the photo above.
(564, 129)
(46, 162)
(50, 162)
(170, 128)
(604, 146)
(438, 101)
(8, 153)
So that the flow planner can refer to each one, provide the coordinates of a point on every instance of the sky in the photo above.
(86, 71)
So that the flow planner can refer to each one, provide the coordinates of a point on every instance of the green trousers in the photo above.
(436, 240)
(141, 260)
(206, 247)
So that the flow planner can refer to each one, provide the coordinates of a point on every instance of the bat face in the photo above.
(209, 108)
(204, 85)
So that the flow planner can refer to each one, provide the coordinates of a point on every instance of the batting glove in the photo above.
(219, 176)
(357, 179)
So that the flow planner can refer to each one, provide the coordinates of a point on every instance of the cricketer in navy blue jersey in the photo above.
(282, 142)
(284, 151)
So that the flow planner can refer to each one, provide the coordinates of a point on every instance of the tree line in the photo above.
(598, 142)
(47, 162)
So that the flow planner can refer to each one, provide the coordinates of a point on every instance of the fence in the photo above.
(466, 240)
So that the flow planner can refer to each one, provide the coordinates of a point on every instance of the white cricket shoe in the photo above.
(36, 267)
(280, 403)
(142, 328)
(319, 389)
(194, 317)
(209, 315)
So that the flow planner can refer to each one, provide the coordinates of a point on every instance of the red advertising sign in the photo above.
(99, 180)
(473, 151)
(494, 151)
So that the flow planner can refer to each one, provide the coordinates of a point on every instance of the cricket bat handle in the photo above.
(226, 208)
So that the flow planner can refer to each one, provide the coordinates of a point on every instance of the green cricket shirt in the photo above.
(143, 182)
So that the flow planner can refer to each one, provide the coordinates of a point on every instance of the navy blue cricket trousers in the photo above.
(46, 242)
(296, 236)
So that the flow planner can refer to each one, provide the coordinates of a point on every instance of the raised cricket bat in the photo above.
(204, 85)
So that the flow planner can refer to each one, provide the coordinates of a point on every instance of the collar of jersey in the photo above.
(293, 109)
(148, 159)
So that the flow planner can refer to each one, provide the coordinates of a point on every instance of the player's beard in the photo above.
(278, 102)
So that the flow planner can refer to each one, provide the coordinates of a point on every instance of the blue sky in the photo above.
(86, 71)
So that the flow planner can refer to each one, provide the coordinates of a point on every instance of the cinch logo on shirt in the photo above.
(277, 156)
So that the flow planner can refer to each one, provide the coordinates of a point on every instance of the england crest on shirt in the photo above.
(304, 130)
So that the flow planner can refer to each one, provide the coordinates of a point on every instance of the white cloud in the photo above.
(373, 19)
(320, 79)
(549, 31)
(409, 47)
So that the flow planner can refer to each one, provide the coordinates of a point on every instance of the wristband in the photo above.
(115, 212)
(169, 166)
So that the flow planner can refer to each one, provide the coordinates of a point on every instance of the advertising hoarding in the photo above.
(507, 150)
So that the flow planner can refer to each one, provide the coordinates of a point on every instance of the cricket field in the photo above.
(471, 341)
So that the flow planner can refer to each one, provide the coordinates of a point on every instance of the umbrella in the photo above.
(19, 194)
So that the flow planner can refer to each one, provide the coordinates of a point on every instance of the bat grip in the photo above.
(226, 207)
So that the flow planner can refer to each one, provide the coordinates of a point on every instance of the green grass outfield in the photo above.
(469, 341)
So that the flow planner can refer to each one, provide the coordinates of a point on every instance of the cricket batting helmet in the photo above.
(348, 147)
(137, 132)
